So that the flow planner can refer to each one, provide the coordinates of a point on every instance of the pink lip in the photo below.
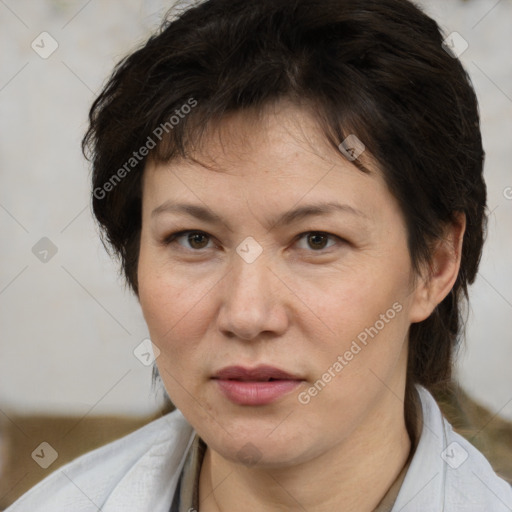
(246, 386)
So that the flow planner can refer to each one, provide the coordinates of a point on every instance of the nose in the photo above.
(252, 301)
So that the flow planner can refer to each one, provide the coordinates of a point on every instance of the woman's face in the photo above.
(288, 257)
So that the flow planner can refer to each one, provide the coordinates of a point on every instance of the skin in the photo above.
(298, 306)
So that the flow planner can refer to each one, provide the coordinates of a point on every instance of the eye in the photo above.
(316, 240)
(194, 240)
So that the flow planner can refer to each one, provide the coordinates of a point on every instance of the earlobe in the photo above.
(440, 276)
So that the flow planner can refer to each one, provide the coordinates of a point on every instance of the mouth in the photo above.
(261, 373)
(255, 386)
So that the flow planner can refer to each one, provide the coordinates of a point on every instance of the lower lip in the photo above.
(255, 393)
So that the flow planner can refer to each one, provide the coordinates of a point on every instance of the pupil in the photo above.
(317, 241)
(197, 240)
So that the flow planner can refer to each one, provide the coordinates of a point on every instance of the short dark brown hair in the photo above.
(374, 68)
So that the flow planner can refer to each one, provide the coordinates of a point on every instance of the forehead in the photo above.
(279, 154)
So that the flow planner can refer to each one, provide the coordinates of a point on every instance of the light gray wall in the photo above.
(68, 329)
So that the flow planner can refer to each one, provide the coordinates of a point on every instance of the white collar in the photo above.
(447, 473)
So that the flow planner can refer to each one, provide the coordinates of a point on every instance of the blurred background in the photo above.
(69, 329)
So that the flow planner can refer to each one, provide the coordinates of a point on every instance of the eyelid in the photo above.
(169, 239)
(317, 232)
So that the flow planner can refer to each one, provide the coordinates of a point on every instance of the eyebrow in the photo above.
(294, 215)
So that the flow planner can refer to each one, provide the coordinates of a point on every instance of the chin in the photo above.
(256, 449)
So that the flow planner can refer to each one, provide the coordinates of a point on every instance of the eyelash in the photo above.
(172, 238)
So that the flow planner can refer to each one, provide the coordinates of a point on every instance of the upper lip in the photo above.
(259, 373)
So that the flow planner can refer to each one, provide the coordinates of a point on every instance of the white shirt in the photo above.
(139, 473)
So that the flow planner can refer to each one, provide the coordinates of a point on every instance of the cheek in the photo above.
(169, 296)
(363, 326)
(173, 310)
(343, 306)
(178, 310)
(176, 319)
(359, 361)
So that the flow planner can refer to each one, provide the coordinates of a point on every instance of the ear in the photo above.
(438, 279)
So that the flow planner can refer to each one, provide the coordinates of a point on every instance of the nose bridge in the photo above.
(250, 301)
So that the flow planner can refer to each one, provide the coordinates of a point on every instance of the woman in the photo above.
(295, 191)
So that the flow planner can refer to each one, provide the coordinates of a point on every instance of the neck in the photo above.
(352, 476)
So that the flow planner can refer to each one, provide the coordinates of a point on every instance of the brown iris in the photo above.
(198, 240)
(317, 240)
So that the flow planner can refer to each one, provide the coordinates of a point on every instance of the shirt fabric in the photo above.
(140, 473)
